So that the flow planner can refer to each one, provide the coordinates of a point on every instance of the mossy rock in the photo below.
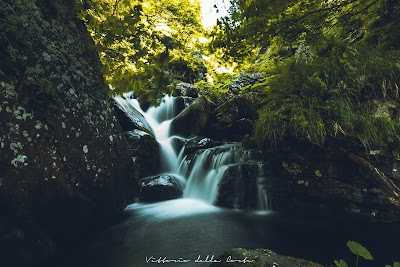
(260, 258)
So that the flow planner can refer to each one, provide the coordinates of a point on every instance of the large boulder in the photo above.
(234, 118)
(129, 117)
(145, 152)
(160, 188)
(65, 168)
(331, 183)
(192, 119)
(239, 257)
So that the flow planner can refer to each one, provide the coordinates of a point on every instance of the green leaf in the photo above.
(396, 264)
(341, 263)
(359, 250)
(318, 173)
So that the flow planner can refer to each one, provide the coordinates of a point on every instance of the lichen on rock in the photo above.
(60, 170)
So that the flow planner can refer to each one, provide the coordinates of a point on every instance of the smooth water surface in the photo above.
(185, 228)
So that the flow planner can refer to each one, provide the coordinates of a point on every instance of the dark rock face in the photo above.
(159, 188)
(233, 119)
(196, 143)
(192, 119)
(239, 188)
(145, 152)
(186, 89)
(327, 184)
(260, 257)
(128, 117)
(65, 167)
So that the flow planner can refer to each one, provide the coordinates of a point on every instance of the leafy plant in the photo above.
(359, 250)
(340, 263)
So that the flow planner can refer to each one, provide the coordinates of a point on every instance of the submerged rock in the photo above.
(160, 188)
(239, 257)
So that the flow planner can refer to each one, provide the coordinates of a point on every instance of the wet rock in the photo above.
(125, 122)
(128, 117)
(239, 187)
(198, 142)
(145, 152)
(160, 188)
(239, 257)
(192, 119)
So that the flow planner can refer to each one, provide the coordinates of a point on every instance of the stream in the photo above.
(186, 231)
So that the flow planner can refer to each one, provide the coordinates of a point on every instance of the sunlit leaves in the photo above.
(136, 39)
(259, 21)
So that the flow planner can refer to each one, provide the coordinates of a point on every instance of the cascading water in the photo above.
(204, 172)
(189, 228)
(158, 121)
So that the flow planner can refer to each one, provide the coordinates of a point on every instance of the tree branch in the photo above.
(390, 189)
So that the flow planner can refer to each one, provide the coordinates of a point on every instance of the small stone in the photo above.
(85, 149)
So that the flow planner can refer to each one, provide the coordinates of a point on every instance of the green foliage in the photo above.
(219, 87)
(318, 173)
(359, 250)
(324, 63)
(144, 45)
(340, 263)
(313, 97)
(254, 24)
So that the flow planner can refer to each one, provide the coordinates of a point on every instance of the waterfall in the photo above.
(158, 121)
(207, 171)
(262, 196)
(203, 172)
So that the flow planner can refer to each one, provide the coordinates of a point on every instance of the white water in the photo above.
(159, 121)
(204, 172)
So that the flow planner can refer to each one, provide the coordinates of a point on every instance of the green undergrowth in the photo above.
(361, 253)
(320, 92)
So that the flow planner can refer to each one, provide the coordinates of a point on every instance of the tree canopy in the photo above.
(330, 67)
(144, 44)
